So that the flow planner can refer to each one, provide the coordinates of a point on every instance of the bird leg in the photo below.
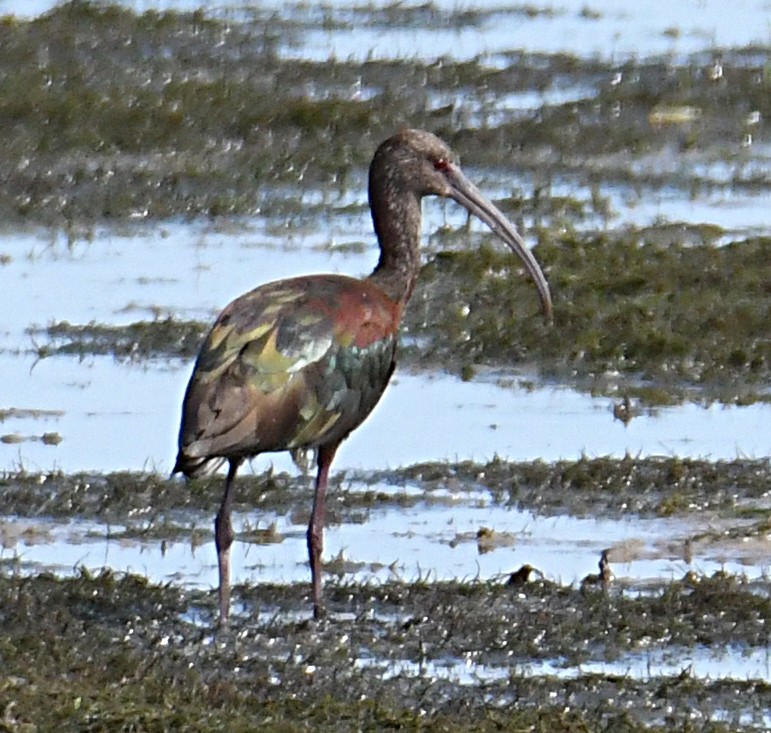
(223, 539)
(326, 454)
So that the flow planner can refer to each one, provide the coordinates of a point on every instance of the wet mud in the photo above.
(112, 117)
(643, 487)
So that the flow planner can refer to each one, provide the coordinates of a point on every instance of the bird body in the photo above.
(300, 363)
(290, 365)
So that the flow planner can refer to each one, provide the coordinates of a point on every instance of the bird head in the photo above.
(419, 162)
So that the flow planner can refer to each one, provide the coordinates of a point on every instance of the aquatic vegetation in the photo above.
(112, 116)
(141, 340)
(178, 122)
(680, 319)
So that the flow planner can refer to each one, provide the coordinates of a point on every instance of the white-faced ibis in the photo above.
(300, 363)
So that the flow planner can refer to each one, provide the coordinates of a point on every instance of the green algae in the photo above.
(646, 487)
(177, 122)
(140, 340)
(116, 652)
(608, 486)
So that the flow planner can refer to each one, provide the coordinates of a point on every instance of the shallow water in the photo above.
(703, 663)
(616, 32)
(109, 415)
(113, 416)
(124, 416)
(435, 539)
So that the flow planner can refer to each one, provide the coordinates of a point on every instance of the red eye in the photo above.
(441, 164)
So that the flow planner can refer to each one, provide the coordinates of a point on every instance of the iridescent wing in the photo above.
(293, 364)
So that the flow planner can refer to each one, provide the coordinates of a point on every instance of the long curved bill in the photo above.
(470, 197)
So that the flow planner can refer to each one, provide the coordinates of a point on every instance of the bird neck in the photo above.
(396, 216)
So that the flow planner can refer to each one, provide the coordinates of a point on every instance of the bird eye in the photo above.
(441, 164)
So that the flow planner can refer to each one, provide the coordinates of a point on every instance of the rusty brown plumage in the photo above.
(300, 363)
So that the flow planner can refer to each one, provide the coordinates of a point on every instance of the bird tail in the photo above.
(194, 467)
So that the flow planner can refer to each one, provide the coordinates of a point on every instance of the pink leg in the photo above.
(316, 526)
(223, 539)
